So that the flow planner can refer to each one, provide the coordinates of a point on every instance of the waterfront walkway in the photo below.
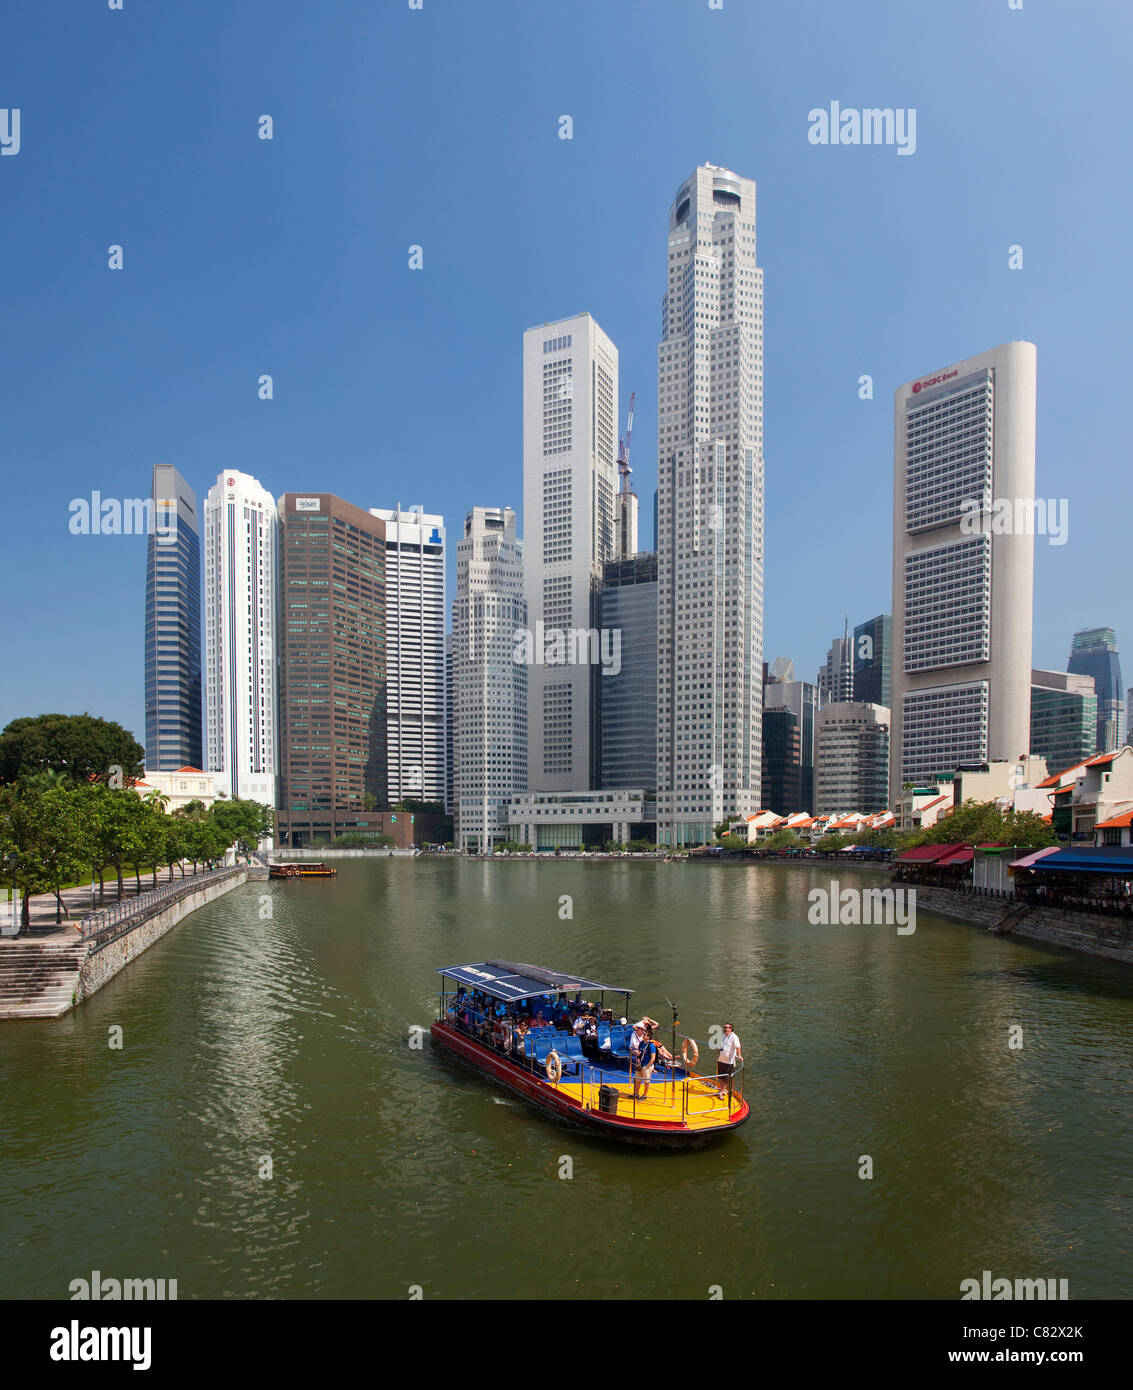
(78, 903)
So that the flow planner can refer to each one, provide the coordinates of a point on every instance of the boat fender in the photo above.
(687, 1047)
(554, 1067)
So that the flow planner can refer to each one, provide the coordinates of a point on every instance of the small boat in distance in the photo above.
(301, 871)
(531, 1030)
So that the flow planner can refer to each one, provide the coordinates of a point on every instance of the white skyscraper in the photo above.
(415, 654)
(489, 685)
(570, 402)
(710, 511)
(963, 565)
(239, 639)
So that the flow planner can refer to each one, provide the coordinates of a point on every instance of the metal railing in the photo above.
(118, 912)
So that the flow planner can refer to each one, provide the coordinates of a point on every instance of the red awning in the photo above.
(925, 854)
(963, 854)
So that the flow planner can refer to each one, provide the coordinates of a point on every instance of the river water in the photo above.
(267, 1129)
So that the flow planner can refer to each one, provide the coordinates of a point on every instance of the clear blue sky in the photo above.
(440, 128)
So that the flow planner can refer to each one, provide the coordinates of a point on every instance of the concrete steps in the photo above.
(38, 980)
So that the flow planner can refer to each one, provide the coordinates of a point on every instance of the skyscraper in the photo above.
(332, 666)
(836, 679)
(1094, 653)
(570, 402)
(415, 654)
(873, 661)
(851, 771)
(1064, 718)
(240, 672)
(782, 692)
(964, 455)
(489, 685)
(173, 626)
(710, 511)
(628, 700)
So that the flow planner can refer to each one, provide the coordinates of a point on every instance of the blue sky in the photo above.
(439, 127)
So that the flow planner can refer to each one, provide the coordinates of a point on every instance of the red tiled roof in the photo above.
(1057, 777)
(1116, 822)
(1100, 760)
(200, 772)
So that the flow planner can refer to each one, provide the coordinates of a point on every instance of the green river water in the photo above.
(287, 1036)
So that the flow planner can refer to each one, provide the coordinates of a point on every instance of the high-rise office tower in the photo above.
(964, 456)
(240, 618)
(450, 760)
(873, 658)
(1094, 653)
(332, 666)
(782, 692)
(628, 699)
(173, 626)
(852, 758)
(836, 679)
(710, 511)
(1064, 718)
(415, 654)
(782, 761)
(570, 402)
(489, 685)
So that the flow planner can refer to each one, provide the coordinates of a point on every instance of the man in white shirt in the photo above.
(730, 1054)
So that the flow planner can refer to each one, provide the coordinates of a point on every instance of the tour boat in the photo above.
(301, 871)
(482, 1011)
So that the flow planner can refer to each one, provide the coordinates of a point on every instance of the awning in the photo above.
(1072, 861)
(503, 979)
(925, 854)
(1029, 859)
(961, 854)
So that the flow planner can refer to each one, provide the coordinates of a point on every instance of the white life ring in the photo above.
(554, 1067)
(689, 1045)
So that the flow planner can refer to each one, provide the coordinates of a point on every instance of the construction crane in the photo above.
(623, 447)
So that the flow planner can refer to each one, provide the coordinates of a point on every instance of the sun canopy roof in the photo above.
(504, 979)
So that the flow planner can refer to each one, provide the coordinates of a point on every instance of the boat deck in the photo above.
(678, 1101)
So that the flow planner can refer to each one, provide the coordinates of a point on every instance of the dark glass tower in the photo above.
(173, 626)
(1094, 653)
(628, 701)
(873, 661)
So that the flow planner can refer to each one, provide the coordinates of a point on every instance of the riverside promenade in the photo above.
(45, 974)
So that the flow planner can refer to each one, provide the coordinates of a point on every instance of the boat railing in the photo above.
(712, 1092)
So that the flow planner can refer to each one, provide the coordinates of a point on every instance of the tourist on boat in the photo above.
(730, 1054)
(643, 1057)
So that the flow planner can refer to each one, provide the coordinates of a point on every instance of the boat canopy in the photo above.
(504, 979)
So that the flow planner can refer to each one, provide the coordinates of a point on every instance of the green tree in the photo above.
(81, 747)
(784, 839)
(39, 843)
(245, 823)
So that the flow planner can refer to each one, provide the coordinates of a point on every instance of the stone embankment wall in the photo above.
(1092, 933)
(104, 962)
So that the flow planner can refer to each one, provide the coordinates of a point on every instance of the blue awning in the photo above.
(504, 979)
(1076, 861)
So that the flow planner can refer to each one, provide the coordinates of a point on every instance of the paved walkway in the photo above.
(77, 903)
